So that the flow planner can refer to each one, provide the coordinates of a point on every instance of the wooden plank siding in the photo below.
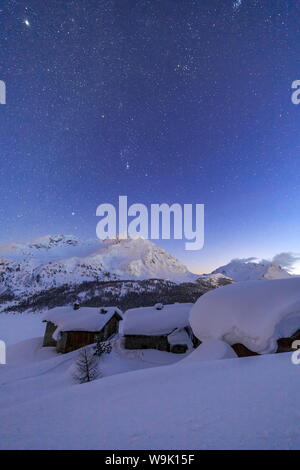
(146, 342)
(71, 340)
(48, 339)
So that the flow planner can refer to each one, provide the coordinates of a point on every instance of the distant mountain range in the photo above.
(57, 269)
(245, 270)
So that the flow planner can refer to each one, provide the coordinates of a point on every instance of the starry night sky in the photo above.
(183, 101)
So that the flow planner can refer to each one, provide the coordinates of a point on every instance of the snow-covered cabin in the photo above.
(69, 329)
(163, 327)
(254, 317)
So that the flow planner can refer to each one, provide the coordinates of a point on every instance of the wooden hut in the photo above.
(70, 329)
(165, 328)
(283, 345)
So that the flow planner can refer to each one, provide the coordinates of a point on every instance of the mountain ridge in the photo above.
(60, 268)
(249, 270)
(54, 269)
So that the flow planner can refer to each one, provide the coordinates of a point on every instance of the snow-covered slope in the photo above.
(248, 270)
(16, 328)
(253, 313)
(221, 404)
(210, 350)
(52, 261)
(49, 247)
(214, 280)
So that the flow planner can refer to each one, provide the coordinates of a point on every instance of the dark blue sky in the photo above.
(183, 101)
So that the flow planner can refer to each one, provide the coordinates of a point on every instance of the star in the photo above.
(26, 22)
(236, 4)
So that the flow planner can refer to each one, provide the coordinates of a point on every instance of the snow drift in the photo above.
(226, 404)
(211, 350)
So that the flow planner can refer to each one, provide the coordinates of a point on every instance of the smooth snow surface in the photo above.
(18, 327)
(211, 350)
(249, 403)
(253, 313)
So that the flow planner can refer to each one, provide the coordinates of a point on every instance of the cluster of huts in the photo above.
(162, 327)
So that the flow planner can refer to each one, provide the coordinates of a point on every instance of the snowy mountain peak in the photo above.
(38, 246)
(251, 270)
(49, 241)
(55, 260)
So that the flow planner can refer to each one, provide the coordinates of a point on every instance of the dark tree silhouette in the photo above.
(86, 366)
(102, 348)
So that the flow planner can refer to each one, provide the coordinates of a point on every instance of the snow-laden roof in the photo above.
(180, 336)
(254, 313)
(83, 319)
(150, 321)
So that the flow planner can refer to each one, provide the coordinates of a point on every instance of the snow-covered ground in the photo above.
(17, 327)
(249, 403)
(148, 399)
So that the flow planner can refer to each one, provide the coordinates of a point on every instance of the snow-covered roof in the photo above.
(254, 313)
(150, 321)
(83, 319)
(180, 336)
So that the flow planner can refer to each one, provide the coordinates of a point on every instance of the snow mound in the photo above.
(27, 351)
(211, 350)
(250, 270)
(253, 313)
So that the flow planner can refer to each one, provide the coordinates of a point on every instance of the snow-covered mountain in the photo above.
(52, 261)
(250, 270)
(57, 269)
